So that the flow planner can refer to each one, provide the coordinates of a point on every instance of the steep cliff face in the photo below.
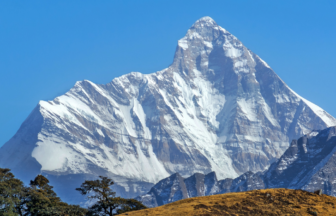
(218, 107)
(309, 164)
(175, 187)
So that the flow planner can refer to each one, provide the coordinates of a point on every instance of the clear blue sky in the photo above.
(46, 46)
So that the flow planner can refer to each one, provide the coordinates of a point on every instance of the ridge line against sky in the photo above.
(45, 47)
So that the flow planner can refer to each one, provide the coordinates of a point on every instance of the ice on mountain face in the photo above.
(100, 133)
(264, 62)
(54, 155)
(314, 133)
(218, 107)
(208, 20)
(183, 43)
(230, 50)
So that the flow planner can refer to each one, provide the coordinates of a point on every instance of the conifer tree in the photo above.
(106, 202)
(12, 194)
(130, 205)
(43, 201)
(39, 199)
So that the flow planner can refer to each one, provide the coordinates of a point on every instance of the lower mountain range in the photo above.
(308, 164)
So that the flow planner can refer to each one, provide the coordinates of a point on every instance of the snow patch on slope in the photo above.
(329, 120)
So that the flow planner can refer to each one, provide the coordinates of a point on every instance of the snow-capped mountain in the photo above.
(309, 164)
(218, 107)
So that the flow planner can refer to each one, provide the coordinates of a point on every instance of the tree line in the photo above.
(39, 198)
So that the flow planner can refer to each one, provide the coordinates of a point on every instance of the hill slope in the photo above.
(257, 202)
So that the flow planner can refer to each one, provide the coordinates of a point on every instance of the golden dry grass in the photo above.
(257, 202)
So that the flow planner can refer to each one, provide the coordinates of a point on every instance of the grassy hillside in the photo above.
(257, 202)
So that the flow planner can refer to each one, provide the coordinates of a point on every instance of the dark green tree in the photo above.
(13, 194)
(42, 200)
(37, 200)
(100, 190)
(106, 202)
(131, 205)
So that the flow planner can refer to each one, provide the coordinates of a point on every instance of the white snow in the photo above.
(264, 62)
(321, 113)
(55, 155)
(223, 30)
(281, 98)
(142, 117)
(314, 133)
(208, 44)
(240, 63)
(251, 56)
(248, 108)
(206, 19)
(193, 35)
(100, 132)
(129, 127)
(183, 43)
(230, 50)
(205, 63)
(329, 120)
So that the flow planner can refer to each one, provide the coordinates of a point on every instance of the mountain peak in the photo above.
(206, 20)
(205, 37)
(205, 24)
